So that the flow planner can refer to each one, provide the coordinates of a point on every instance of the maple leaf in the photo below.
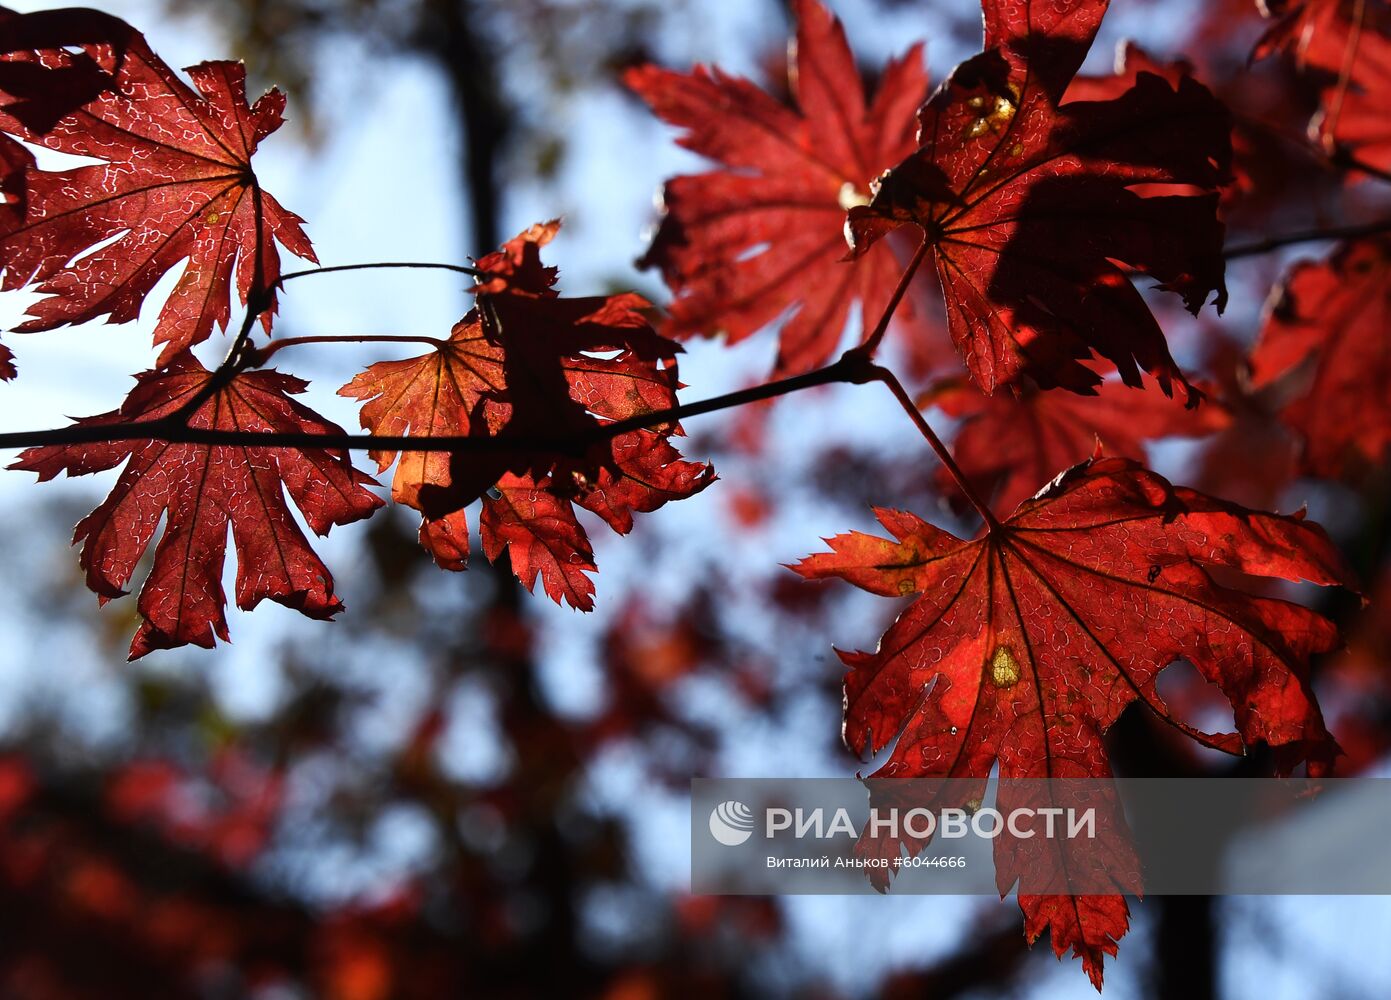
(174, 183)
(762, 238)
(40, 92)
(15, 160)
(1319, 33)
(1354, 117)
(1024, 645)
(1029, 204)
(528, 363)
(1255, 458)
(1130, 61)
(1328, 325)
(1349, 40)
(200, 490)
(1011, 445)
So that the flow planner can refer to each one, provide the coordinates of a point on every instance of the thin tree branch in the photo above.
(261, 355)
(882, 374)
(1334, 110)
(876, 337)
(417, 265)
(851, 368)
(1307, 236)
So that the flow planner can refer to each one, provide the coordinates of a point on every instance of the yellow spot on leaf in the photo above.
(991, 115)
(1004, 668)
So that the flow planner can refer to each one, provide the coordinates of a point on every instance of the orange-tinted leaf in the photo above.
(1031, 208)
(1025, 645)
(199, 491)
(544, 537)
(174, 184)
(527, 362)
(1332, 317)
(742, 246)
(1011, 445)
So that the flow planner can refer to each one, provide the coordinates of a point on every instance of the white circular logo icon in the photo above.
(731, 823)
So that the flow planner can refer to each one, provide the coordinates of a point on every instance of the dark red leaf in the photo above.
(1348, 41)
(200, 491)
(1328, 330)
(762, 238)
(1031, 204)
(175, 183)
(1011, 445)
(1025, 645)
(1354, 116)
(15, 160)
(1319, 33)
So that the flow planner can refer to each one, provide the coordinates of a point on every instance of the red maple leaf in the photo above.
(1354, 117)
(200, 490)
(762, 238)
(1130, 61)
(14, 162)
(1319, 33)
(1029, 204)
(175, 183)
(1025, 645)
(1010, 445)
(528, 363)
(1254, 458)
(1328, 327)
(1349, 40)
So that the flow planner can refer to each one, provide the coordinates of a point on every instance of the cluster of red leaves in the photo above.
(227, 814)
(1323, 338)
(1027, 203)
(1349, 43)
(77, 876)
(527, 362)
(175, 186)
(1037, 194)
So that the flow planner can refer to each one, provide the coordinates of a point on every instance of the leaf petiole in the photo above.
(882, 374)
